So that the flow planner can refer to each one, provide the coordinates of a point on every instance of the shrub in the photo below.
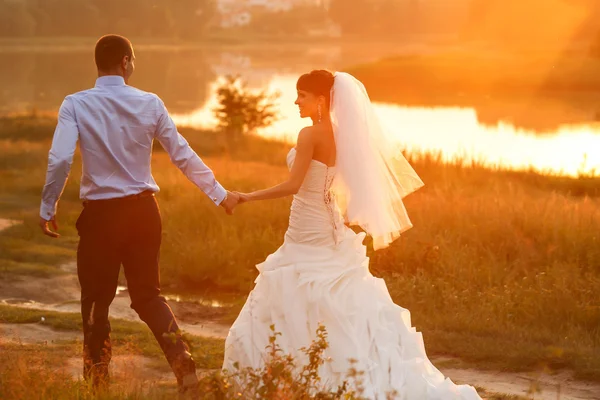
(241, 110)
(282, 377)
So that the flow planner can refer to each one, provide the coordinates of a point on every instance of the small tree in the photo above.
(241, 110)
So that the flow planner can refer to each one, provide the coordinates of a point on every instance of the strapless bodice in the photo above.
(314, 217)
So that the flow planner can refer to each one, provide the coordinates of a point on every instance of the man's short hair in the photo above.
(110, 50)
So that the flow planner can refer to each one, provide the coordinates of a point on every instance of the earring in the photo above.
(320, 116)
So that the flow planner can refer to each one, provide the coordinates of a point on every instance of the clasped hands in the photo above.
(232, 200)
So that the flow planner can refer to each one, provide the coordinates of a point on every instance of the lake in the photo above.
(549, 135)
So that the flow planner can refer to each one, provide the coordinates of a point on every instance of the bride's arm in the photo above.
(304, 153)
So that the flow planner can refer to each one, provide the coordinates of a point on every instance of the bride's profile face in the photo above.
(308, 103)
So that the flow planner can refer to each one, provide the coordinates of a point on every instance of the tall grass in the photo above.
(501, 268)
(38, 372)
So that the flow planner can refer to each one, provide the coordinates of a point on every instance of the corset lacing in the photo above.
(329, 198)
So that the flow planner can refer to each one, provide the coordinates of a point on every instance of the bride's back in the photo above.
(314, 219)
(324, 150)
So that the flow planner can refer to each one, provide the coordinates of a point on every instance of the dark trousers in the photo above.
(123, 232)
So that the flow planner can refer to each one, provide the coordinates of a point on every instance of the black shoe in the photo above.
(184, 368)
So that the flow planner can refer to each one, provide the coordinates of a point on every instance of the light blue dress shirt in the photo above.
(116, 125)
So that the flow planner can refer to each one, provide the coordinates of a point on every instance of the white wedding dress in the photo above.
(320, 275)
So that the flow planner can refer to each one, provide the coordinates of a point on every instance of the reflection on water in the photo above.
(41, 79)
(454, 133)
(207, 302)
(555, 135)
(457, 134)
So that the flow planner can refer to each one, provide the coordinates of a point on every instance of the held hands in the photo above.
(230, 202)
(244, 197)
(233, 200)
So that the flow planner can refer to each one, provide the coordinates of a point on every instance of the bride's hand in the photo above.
(244, 197)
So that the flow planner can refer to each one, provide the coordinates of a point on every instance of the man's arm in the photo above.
(59, 164)
(186, 159)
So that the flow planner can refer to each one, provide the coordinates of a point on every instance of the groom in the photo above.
(120, 223)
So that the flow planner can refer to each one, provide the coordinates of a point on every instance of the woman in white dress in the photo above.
(341, 172)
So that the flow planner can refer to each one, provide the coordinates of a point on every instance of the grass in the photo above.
(23, 367)
(500, 270)
(127, 336)
(35, 373)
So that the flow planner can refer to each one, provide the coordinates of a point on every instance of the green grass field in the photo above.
(501, 268)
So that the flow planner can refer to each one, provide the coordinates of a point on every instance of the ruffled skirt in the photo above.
(301, 287)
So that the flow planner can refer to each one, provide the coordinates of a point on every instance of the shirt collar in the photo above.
(110, 80)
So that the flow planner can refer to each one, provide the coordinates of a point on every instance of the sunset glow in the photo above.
(452, 132)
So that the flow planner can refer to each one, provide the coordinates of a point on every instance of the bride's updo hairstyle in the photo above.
(318, 82)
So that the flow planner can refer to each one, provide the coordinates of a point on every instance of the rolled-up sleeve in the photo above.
(60, 159)
(185, 158)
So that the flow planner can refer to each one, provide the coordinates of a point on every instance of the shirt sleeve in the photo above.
(185, 158)
(60, 159)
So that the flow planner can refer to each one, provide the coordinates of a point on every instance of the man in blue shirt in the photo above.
(120, 224)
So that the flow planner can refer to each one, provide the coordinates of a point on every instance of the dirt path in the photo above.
(61, 294)
(551, 387)
(139, 368)
(7, 223)
(560, 386)
(130, 366)
(34, 334)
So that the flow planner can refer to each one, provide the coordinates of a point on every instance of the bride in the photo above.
(341, 172)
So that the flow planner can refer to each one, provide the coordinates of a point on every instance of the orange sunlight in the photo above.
(454, 133)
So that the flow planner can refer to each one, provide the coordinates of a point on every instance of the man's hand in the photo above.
(46, 230)
(230, 202)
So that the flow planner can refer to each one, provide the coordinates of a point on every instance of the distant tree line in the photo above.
(300, 20)
(140, 18)
(376, 18)
(189, 19)
(182, 79)
(500, 21)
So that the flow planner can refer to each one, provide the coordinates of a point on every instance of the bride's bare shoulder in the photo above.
(314, 130)
(307, 133)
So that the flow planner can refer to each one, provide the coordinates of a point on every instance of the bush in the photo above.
(241, 110)
(282, 377)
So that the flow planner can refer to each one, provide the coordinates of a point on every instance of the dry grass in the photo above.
(38, 372)
(127, 337)
(501, 268)
(35, 372)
